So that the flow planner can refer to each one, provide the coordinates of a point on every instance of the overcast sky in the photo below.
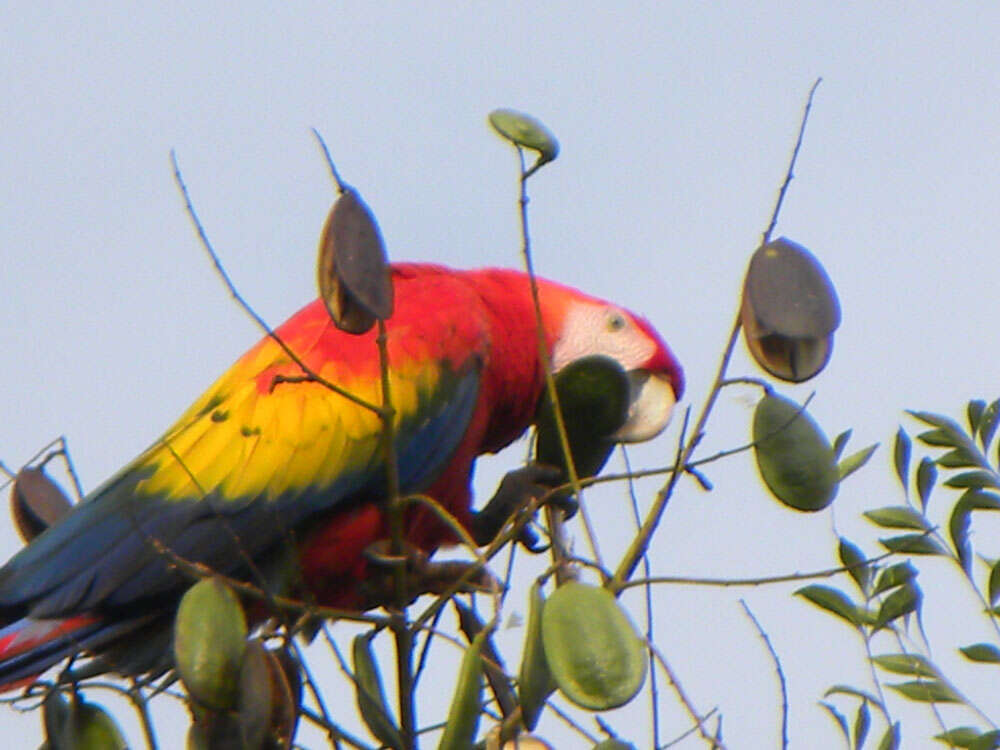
(676, 122)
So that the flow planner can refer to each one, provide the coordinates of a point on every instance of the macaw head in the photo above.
(580, 326)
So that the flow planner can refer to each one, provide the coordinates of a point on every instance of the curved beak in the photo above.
(651, 402)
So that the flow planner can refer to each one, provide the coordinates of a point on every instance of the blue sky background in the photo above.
(676, 122)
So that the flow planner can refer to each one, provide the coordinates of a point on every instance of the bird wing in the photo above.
(254, 459)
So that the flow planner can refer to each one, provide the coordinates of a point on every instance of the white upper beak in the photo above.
(651, 402)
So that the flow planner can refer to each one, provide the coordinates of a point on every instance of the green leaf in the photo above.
(974, 479)
(959, 736)
(839, 718)
(902, 601)
(840, 442)
(938, 438)
(926, 476)
(926, 691)
(974, 414)
(938, 420)
(897, 517)
(994, 583)
(959, 458)
(855, 461)
(958, 524)
(894, 575)
(901, 450)
(853, 559)
(862, 723)
(908, 664)
(988, 424)
(913, 544)
(854, 692)
(524, 130)
(982, 652)
(891, 738)
(832, 600)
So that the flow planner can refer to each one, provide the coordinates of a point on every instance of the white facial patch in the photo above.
(602, 329)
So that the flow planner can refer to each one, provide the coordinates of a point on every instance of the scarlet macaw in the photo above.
(288, 477)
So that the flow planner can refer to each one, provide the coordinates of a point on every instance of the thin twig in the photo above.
(790, 172)
(627, 566)
(777, 667)
(654, 693)
(553, 515)
(329, 162)
(235, 294)
(682, 696)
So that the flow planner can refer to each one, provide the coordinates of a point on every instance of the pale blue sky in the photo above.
(676, 121)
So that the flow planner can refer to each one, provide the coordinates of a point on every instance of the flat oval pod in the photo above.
(36, 502)
(210, 633)
(90, 727)
(613, 743)
(353, 271)
(524, 130)
(789, 311)
(256, 695)
(467, 702)
(370, 693)
(591, 647)
(594, 398)
(794, 457)
(534, 682)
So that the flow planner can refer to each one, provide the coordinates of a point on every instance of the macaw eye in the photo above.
(616, 321)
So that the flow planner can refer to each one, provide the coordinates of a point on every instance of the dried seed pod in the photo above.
(789, 311)
(36, 502)
(794, 457)
(353, 272)
(592, 649)
(267, 707)
(210, 633)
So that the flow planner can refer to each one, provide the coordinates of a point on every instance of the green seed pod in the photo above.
(90, 727)
(594, 399)
(524, 130)
(789, 311)
(372, 705)
(613, 743)
(36, 502)
(591, 647)
(527, 742)
(55, 715)
(467, 703)
(209, 640)
(795, 459)
(534, 682)
(353, 272)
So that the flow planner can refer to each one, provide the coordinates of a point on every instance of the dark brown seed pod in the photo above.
(36, 502)
(789, 311)
(353, 271)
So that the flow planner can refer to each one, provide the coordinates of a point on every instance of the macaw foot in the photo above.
(516, 490)
(421, 575)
